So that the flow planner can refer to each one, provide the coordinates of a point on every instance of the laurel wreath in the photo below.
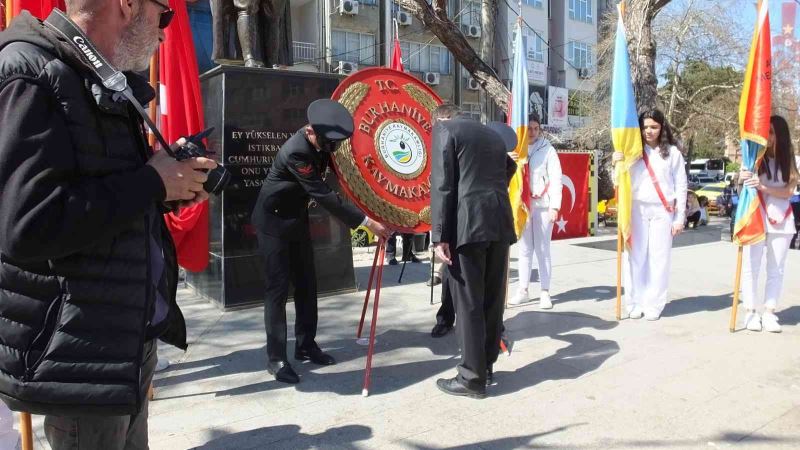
(345, 161)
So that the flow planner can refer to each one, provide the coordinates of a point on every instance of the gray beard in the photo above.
(136, 46)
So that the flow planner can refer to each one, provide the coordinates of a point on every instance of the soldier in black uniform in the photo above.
(281, 218)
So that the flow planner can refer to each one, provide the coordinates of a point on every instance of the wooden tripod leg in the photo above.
(373, 326)
(369, 289)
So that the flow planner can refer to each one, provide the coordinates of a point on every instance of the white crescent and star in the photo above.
(566, 181)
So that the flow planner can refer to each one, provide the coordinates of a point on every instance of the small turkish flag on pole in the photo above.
(397, 54)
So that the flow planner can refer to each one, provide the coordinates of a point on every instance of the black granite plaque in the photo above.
(254, 111)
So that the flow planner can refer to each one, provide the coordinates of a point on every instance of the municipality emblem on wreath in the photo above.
(401, 149)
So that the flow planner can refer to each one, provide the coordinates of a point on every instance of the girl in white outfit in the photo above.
(544, 172)
(658, 182)
(776, 181)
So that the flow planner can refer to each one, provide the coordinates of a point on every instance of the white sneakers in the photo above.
(519, 299)
(544, 301)
(636, 312)
(768, 321)
(522, 297)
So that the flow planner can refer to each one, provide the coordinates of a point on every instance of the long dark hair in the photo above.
(665, 138)
(784, 155)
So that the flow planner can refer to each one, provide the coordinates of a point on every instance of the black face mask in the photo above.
(326, 145)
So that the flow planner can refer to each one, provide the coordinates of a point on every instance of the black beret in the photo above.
(330, 120)
(506, 133)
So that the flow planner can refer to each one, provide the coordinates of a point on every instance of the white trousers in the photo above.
(646, 274)
(536, 240)
(776, 247)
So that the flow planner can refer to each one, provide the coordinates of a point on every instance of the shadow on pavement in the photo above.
(511, 442)
(583, 355)
(289, 437)
(789, 316)
(691, 305)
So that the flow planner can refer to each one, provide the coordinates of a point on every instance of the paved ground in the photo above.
(576, 378)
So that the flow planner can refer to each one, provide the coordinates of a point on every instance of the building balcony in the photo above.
(305, 52)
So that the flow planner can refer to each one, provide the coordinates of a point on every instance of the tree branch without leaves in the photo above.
(434, 19)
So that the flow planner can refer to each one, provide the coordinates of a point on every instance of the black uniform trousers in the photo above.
(289, 260)
(477, 283)
(447, 313)
(408, 243)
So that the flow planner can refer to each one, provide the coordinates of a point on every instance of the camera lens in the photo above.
(217, 181)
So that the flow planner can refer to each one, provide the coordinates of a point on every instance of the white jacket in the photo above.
(544, 170)
(671, 176)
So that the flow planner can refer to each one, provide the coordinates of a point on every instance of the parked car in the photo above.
(712, 192)
(361, 237)
(607, 210)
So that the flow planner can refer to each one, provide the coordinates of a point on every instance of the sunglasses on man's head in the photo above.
(166, 14)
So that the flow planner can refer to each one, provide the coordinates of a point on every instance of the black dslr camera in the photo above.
(218, 178)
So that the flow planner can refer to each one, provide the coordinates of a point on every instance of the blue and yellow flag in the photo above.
(755, 108)
(625, 133)
(518, 121)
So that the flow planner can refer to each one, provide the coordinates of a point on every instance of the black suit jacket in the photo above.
(295, 177)
(469, 177)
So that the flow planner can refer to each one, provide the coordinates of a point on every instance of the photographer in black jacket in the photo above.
(88, 273)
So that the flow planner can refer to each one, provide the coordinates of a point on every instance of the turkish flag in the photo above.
(397, 57)
(182, 115)
(787, 38)
(573, 218)
(37, 8)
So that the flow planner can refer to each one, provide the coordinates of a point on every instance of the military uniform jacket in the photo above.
(469, 178)
(296, 177)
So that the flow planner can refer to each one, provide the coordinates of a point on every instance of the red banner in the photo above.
(573, 221)
(182, 115)
(38, 8)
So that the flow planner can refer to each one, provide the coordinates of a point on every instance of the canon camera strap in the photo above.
(110, 76)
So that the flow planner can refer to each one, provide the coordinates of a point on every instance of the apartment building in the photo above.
(342, 36)
(560, 39)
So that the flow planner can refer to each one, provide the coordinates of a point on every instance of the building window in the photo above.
(534, 3)
(580, 54)
(471, 13)
(534, 46)
(471, 110)
(581, 10)
(419, 57)
(531, 42)
(353, 47)
(368, 2)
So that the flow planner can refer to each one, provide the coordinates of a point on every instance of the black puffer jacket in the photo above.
(78, 211)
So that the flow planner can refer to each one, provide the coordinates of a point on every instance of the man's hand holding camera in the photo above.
(183, 180)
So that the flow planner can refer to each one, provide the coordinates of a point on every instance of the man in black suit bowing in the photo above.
(284, 240)
(472, 230)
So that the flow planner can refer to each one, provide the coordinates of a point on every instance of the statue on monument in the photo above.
(263, 32)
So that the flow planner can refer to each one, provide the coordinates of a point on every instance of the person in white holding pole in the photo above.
(775, 182)
(658, 182)
(544, 203)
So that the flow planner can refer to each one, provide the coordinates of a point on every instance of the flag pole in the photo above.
(736, 285)
(154, 103)
(9, 12)
(619, 272)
